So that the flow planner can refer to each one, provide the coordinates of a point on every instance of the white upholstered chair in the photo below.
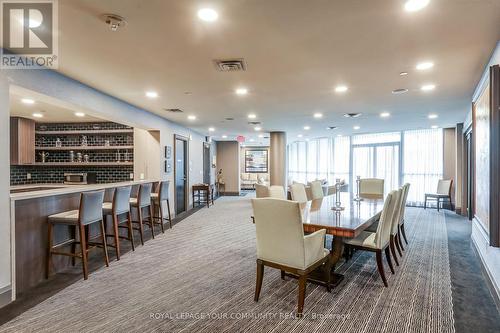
(371, 188)
(298, 192)
(316, 189)
(395, 237)
(443, 193)
(402, 218)
(261, 191)
(274, 191)
(281, 243)
(379, 241)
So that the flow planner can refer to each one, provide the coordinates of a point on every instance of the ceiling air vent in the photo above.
(352, 115)
(173, 110)
(230, 65)
(399, 91)
(331, 127)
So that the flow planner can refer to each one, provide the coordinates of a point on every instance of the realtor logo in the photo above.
(29, 34)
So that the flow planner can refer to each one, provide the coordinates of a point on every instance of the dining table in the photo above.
(348, 221)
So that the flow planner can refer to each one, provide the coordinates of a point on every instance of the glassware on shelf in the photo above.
(44, 155)
(118, 156)
(125, 156)
(71, 156)
(58, 143)
(84, 141)
(106, 143)
(79, 157)
(86, 158)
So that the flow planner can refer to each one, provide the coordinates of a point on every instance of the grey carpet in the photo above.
(200, 277)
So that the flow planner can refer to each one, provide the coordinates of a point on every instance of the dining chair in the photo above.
(89, 212)
(277, 192)
(395, 237)
(298, 192)
(379, 241)
(142, 204)
(402, 220)
(316, 189)
(443, 193)
(371, 188)
(261, 191)
(281, 244)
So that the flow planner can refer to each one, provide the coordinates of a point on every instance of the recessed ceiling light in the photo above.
(300, 135)
(307, 128)
(356, 127)
(424, 66)
(261, 135)
(37, 115)
(79, 114)
(318, 115)
(151, 94)
(241, 91)
(192, 117)
(27, 101)
(224, 136)
(252, 116)
(211, 129)
(399, 91)
(257, 128)
(208, 15)
(434, 126)
(341, 89)
(432, 116)
(385, 114)
(403, 73)
(428, 87)
(415, 5)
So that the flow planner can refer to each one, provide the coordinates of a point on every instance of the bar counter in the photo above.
(30, 207)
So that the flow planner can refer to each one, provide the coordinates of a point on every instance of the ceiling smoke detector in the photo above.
(114, 21)
(230, 65)
(173, 110)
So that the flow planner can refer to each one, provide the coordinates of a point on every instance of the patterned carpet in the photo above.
(200, 277)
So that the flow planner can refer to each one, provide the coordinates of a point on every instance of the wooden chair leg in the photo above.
(404, 233)
(130, 230)
(73, 245)
(328, 275)
(260, 277)
(388, 257)
(438, 204)
(399, 239)
(117, 234)
(169, 216)
(141, 226)
(104, 243)
(160, 213)
(49, 251)
(380, 266)
(282, 274)
(396, 242)
(302, 294)
(150, 209)
(393, 250)
(83, 246)
(425, 202)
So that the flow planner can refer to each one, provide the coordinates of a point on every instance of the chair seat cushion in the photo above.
(365, 239)
(435, 195)
(133, 202)
(69, 217)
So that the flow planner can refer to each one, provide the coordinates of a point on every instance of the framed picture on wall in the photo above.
(168, 152)
(256, 160)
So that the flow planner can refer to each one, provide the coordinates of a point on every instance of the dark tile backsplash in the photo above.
(51, 174)
(47, 174)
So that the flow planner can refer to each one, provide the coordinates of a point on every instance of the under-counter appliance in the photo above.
(75, 178)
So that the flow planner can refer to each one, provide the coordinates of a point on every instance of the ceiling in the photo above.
(296, 53)
(52, 110)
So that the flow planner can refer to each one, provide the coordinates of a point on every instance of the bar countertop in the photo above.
(24, 192)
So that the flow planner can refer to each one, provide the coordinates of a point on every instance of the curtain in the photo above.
(422, 163)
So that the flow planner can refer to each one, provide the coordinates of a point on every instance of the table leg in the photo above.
(207, 198)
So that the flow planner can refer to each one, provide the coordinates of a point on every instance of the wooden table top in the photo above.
(318, 214)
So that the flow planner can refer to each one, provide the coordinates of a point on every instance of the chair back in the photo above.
(261, 191)
(444, 186)
(144, 195)
(406, 188)
(279, 231)
(371, 188)
(316, 189)
(91, 207)
(121, 200)
(277, 192)
(298, 192)
(163, 190)
(398, 210)
(384, 227)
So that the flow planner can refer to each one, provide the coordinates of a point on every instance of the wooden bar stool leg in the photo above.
(73, 245)
(83, 246)
(141, 227)
(117, 240)
(49, 251)
(130, 230)
(150, 209)
(169, 216)
(104, 243)
(160, 213)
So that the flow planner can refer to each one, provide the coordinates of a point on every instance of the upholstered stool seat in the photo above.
(69, 217)
(107, 208)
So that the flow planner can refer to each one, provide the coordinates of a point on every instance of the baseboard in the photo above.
(5, 296)
(489, 256)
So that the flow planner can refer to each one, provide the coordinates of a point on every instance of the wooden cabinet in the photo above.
(22, 141)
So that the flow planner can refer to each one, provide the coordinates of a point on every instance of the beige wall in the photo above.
(147, 154)
(449, 152)
(228, 159)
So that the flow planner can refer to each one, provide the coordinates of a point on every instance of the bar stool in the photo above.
(143, 201)
(158, 199)
(119, 208)
(90, 212)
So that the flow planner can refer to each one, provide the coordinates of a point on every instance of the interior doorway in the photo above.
(206, 163)
(181, 155)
